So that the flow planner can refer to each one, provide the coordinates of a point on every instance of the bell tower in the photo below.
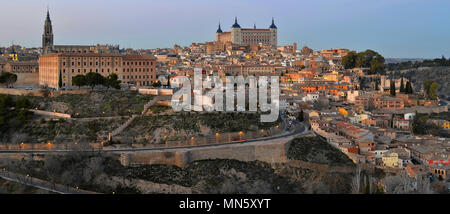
(47, 36)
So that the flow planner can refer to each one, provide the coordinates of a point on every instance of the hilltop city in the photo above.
(348, 119)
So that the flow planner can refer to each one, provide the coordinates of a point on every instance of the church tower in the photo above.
(236, 33)
(218, 33)
(47, 37)
(273, 34)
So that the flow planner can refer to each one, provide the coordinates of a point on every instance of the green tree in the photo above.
(349, 60)
(419, 124)
(60, 80)
(23, 103)
(168, 81)
(392, 89)
(409, 89)
(364, 58)
(156, 84)
(94, 79)
(402, 86)
(112, 81)
(79, 80)
(300, 116)
(426, 86)
(377, 65)
(369, 59)
(432, 90)
(8, 79)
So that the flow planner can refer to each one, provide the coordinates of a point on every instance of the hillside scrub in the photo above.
(95, 104)
(316, 150)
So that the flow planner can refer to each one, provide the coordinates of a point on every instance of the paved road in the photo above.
(297, 130)
(41, 184)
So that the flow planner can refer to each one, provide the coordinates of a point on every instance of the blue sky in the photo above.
(395, 28)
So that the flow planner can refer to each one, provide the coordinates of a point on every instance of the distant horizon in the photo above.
(401, 29)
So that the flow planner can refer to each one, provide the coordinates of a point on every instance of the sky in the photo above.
(394, 28)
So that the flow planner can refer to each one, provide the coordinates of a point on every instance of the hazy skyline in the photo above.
(394, 28)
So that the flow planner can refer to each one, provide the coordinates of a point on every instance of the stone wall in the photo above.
(39, 92)
(274, 151)
(27, 79)
(22, 92)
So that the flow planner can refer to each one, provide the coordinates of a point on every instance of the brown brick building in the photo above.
(139, 70)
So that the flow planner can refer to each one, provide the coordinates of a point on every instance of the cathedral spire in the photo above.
(219, 30)
(47, 36)
(48, 13)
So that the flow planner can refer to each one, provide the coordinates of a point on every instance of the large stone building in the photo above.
(248, 36)
(56, 70)
(49, 47)
(26, 71)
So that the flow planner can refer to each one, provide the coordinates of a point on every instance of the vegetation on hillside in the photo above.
(39, 130)
(316, 150)
(13, 114)
(94, 104)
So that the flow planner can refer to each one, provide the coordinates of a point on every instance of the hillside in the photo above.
(104, 173)
(441, 75)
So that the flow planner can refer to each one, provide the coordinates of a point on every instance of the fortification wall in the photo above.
(271, 152)
(27, 79)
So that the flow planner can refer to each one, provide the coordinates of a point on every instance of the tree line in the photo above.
(92, 79)
(425, 63)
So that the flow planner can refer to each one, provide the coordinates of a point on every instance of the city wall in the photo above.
(39, 92)
(271, 152)
(22, 92)
(27, 79)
